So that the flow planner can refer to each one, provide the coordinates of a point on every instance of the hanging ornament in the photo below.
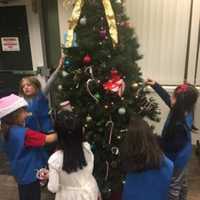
(60, 87)
(135, 86)
(74, 42)
(87, 59)
(115, 84)
(115, 150)
(90, 70)
(109, 15)
(103, 33)
(97, 95)
(119, 137)
(83, 20)
(88, 118)
(89, 81)
(64, 73)
(110, 122)
(122, 111)
(67, 63)
(106, 106)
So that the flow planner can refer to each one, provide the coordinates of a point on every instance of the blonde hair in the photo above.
(32, 80)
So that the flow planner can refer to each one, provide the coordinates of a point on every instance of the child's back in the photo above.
(148, 171)
(24, 161)
(71, 168)
(79, 185)
(139, 185)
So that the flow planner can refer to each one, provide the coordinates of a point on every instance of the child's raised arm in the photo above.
(160, 91)
(53, 76)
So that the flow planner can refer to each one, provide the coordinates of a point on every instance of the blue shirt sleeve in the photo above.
(162, 93)
(45, 121)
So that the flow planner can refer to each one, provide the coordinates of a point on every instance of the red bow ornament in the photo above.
(115, 84)
(182, 88)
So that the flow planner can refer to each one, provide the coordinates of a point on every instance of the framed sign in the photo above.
(10, 44)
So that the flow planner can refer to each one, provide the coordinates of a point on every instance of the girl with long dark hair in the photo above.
(176, 135)
(71, 167)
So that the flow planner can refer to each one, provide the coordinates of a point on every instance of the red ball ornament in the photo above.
(87, 59)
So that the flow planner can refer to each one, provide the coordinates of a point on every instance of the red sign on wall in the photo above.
(10, 44)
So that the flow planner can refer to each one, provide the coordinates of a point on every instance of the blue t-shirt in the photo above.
(150, 184)
(39, 119)
(24, 161)
(177, 146)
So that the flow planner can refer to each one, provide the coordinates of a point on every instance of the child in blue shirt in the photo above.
(38, 106)
(23, 146)
(148, 171)
(176, 135)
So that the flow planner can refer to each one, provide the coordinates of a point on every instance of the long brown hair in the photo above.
(139, 149)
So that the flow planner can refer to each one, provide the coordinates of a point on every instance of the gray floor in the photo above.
(8, 188)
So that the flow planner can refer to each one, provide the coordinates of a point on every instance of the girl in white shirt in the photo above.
(71, 167)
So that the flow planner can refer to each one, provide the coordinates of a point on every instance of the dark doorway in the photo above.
(15, 53)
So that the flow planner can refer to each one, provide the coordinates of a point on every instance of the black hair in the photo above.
(139, 150)
(186, 96)
(70, 138)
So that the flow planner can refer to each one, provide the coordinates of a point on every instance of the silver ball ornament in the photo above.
(118, 1)
(60, 87)
(88, 118)
(64, 73)
(83, 21)
(135, 85)
(122, 111)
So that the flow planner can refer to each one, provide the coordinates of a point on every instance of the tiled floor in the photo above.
(8, 188)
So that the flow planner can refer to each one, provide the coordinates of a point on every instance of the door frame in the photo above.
(38, 52)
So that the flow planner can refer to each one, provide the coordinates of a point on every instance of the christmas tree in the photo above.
(103, 82)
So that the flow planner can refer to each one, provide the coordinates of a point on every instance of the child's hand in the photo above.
(43, 174)
(99, 196)
(150, 82)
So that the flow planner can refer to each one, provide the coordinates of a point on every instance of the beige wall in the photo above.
(161, 27)
(162, 30)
